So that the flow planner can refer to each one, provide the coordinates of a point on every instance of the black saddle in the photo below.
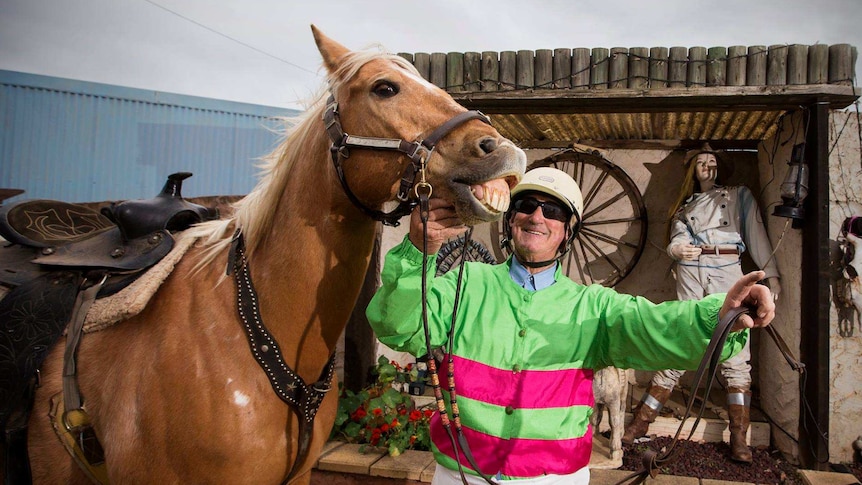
(54, 251)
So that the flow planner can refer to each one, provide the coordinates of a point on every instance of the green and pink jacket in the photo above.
(524, 359)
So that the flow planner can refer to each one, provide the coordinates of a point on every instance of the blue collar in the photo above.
(531, 282)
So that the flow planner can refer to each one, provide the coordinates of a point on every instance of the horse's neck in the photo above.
(309, 270)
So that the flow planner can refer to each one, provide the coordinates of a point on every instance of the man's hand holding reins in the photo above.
(746, 292)
(443, 224)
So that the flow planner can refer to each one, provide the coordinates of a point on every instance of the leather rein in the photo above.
(305, 399)
(653, 461)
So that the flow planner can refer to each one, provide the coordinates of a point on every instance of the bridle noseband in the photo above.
(417, 151)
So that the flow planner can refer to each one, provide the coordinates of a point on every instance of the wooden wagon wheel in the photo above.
(615, 219)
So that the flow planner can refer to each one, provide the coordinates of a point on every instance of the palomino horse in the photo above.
(174, 393)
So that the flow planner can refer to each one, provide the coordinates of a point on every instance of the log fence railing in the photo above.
(638, 67)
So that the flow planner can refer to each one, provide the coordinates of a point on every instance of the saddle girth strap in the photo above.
(304, 399)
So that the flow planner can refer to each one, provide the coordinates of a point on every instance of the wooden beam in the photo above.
(734, 98)
(643, 144)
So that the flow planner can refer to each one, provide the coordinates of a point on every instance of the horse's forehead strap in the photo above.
(416, 150)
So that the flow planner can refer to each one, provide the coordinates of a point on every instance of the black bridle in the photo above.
(417, 151)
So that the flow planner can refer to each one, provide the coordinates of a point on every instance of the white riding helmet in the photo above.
(559, 185)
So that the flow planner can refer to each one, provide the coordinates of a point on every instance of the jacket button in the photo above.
(522, 333)
(509, 410)
(516, 368)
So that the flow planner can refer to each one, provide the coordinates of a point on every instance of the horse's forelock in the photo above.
(353, 61)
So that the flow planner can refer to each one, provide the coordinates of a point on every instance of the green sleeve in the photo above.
(395, 311)
(642, 335)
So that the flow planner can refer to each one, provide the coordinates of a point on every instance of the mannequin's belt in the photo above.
(720, 249)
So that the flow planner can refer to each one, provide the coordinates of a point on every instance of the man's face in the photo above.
(705, 167)
(535, 237)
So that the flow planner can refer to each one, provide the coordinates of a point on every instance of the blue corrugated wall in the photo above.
(85, 142)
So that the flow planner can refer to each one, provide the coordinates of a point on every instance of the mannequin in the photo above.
(710, 227)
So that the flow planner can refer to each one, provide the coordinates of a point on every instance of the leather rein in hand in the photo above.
(652, 461)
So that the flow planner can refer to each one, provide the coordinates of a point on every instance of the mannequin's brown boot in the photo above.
(738, 402)
(645, 413)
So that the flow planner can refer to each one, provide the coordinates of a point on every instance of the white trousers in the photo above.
(693, 283)
(445, 476)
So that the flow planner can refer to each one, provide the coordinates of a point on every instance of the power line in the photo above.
(229, 37)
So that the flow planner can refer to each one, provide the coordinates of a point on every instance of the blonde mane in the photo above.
(254, 213)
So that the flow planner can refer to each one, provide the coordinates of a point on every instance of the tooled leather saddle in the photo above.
(53, 252)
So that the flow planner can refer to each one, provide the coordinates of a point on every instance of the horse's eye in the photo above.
(385, 89)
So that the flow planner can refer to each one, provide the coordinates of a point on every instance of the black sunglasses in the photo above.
(551, 210)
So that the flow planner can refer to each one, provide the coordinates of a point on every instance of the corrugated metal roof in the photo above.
(548, 131)
(79, 141)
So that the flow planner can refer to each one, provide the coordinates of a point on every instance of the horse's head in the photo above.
(382, 96)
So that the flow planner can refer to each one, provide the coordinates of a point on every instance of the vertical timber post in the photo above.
(815, 301)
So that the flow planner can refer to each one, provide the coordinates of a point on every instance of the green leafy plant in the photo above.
(383, 414)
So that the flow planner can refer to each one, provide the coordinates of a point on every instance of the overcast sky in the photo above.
(262, 51)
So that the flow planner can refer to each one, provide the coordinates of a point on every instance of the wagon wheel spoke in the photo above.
(606, 238)
(597, 251)
(604, 205)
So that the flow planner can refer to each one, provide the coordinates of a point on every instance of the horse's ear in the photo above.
(330, 50)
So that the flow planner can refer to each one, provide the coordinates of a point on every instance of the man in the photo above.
(526, 338)
(710, 226)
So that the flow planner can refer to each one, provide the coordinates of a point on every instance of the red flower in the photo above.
(358, 414)
(415, 415)
(375, 433)
(377, 411)
(395, 422)
(384, 427)
(402, 411)
(428, 413)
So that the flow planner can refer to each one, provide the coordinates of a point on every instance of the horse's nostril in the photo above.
(488, 145)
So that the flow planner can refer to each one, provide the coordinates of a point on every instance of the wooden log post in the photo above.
(716, 66)
(455, 72)
(599, 68)
(756, 71)
(544, 69)
(842, 58)
(818, 64)
(422, 63)
(797, 64)
(696, 67)
(581, 68)
(438, 69)
(490, 71)
(525, 70)
(677, 67)
(407, 56)
(562, 72)
(658, 67)
(618, 70)
(776, 65)
(508, 76)
(472, 71)
(736, 65)
(638, 68)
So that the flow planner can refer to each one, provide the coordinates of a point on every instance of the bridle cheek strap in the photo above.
(417, 151)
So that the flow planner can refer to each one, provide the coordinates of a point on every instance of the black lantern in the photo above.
(794, 189)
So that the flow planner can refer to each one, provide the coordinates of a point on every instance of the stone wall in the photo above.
(845, 334)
